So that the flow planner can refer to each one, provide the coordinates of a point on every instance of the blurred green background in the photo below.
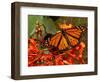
(50, 22)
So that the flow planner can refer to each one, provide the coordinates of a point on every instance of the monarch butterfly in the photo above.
(68, 37)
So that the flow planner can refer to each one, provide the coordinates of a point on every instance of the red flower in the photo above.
(38, 57)
(32, 46)
(46, 57)
(59, 60)
(48, 62)
(31, 57)
(32, 41)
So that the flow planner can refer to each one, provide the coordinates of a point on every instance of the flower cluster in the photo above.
(37, 57)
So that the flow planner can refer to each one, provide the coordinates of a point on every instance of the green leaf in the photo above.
(32, 23)
(50, 25)
(45, 20)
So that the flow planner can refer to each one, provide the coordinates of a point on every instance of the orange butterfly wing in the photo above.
(59, 41)
(63, 43)
(69, 39)
(73, 35)
(74, 32)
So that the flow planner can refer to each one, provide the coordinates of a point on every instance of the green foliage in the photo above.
(50, 25)
(77, 21)
(46, 21)
(32, 23)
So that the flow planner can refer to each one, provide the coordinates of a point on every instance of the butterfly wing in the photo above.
(68, 39)
(55, 39)
(74, 32)
(63, 43)
(58, 41)
(72, 41)
(73, 35)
